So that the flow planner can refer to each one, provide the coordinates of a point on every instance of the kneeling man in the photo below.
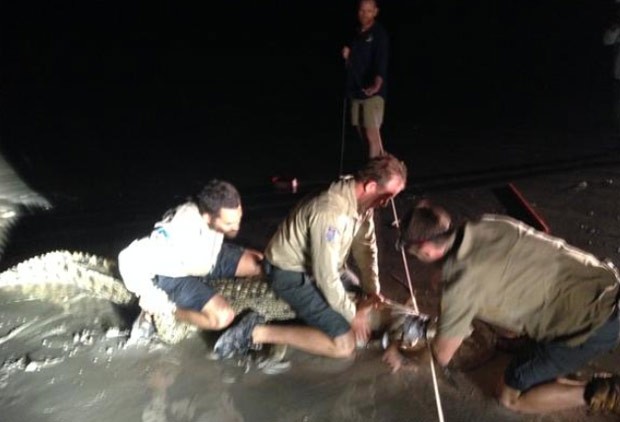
(506, 273)
(168, 269)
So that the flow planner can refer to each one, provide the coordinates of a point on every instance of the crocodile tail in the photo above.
(60, 274)
(171, 331)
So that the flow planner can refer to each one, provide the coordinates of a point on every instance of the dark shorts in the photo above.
(305, 298)
(544, 362)
(193, 292)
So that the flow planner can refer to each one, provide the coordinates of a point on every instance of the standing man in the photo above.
(307, 256)
(366, 60)
(506, 273)
(167, 270)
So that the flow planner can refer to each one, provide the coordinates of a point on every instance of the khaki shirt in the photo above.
(317, 238)
(510, 275)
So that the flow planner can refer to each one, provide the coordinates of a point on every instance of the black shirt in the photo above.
(368, 58)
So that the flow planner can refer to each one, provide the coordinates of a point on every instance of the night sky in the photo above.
(92, 90)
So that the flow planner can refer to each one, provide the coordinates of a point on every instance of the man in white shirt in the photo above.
(168, 269)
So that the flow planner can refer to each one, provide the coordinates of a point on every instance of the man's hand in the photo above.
(412, 360)
(361, 322)
(370, 91)
(361, 328)
(346, 51)
(374, 88)
(393, 357)
(378, 298)
(372, 300)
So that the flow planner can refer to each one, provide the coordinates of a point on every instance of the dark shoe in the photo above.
(271, 359)
(603, 393)
(237, 340)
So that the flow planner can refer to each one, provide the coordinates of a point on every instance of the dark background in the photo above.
(116, 111)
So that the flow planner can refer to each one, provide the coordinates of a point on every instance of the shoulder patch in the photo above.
(331, 233)
(159, 231)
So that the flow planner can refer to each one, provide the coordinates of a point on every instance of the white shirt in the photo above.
(181, 244)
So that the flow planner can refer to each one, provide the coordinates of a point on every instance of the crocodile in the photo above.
(59, 275)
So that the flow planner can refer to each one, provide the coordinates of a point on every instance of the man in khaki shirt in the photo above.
(509, 275)
(307, 256)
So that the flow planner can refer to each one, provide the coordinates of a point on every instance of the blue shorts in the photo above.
(544, 362)
(193, 292)
(301, 293)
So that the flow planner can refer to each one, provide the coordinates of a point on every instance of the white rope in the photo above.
(435, 386)
(415, 307)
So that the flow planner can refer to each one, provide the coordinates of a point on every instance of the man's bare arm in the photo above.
(444, 348)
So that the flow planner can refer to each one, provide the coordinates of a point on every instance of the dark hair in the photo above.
(216, 195)
(376, 2)
(426, 223)
(381, 169)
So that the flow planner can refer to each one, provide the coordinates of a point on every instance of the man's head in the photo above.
(367, 11)
(380, 180)
(220, 205)
(427, 232)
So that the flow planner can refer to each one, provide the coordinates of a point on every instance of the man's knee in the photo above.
(218, 312)
(222, 318)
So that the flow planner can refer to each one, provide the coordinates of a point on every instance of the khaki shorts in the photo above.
(370, 109)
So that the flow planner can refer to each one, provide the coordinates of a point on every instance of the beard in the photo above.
(231, 234)
(372, 203)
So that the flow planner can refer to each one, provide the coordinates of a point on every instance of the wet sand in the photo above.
(70, 361)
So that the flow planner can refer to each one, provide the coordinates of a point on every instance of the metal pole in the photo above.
(343, 132)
